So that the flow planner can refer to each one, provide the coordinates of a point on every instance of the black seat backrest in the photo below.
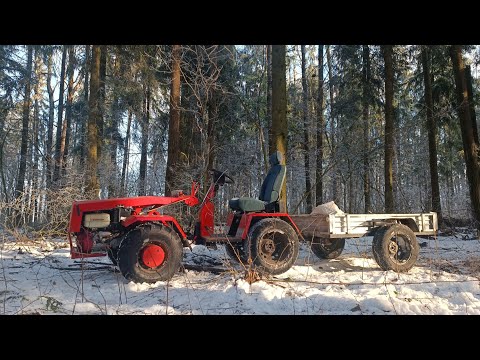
(272, 185)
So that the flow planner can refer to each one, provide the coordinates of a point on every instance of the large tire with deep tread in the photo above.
(130, 253)
(327, 248)
(272, 245)
(395, 247)
(235, 252)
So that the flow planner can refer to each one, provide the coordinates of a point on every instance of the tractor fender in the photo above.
(135, 220)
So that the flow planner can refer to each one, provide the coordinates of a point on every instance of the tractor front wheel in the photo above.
(272, 245)
(150, 253)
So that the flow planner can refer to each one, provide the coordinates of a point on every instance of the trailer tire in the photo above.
(150, 253)
(327, 248)
(236, 253)
(395, 247)
(272, 245)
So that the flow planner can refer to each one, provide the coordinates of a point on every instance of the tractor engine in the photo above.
(98, 229)
(85, 241)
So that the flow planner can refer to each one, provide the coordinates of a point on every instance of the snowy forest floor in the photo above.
(40, 278)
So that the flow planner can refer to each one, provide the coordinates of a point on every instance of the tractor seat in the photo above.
(270, 191)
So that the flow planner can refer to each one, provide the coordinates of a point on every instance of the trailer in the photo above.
(395, 246)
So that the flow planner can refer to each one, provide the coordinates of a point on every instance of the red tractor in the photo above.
(147, 245)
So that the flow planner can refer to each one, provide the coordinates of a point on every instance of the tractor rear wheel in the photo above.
(327, 248)
(395, 247)
(150, 253)
(272, 245)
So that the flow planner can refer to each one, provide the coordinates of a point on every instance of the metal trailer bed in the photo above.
(338, 225)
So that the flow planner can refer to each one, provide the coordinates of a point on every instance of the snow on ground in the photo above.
(42, 279)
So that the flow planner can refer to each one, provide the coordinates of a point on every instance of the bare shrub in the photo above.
(40, 214)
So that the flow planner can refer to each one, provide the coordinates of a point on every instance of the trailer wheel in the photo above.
(235, 252)
(327, 248)
(395, 247)
(272, 245)
(150, 253)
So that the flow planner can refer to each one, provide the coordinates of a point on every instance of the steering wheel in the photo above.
(221, 178)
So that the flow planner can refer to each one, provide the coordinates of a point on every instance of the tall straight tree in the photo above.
(333, 146)
(92, 185)
(145, 121)
(387, 51)
(25, 120)
(366, 100)
(279, 110)
(58, 143)
(66, 131)
(101, 102)
(51, 119)
(174, 124)
(271, 147)
(126, 148)
(470, 148)
(432, 132)
(468, 74)
(320, 130)
(306, 148)
(84, 119)
(37, 96)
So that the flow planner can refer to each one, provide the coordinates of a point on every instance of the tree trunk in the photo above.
(468, 74)
(68, 111)
(470, 147)
(271, 144)
(174, 124)
(320, 130)
(144, 149)
(19, 187)
(25, 120)
(36, 126)
(306, 129)
(93, 186)
(211, 117)
(366, 100)
(51, 117)
(279, 110)
(333, 146)
(432, 133)
(113, 133)
(212, 114)
(126, 148)
(3, 138)
(84, 119)
(387, 51)
(58, 143)
(101, 103)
